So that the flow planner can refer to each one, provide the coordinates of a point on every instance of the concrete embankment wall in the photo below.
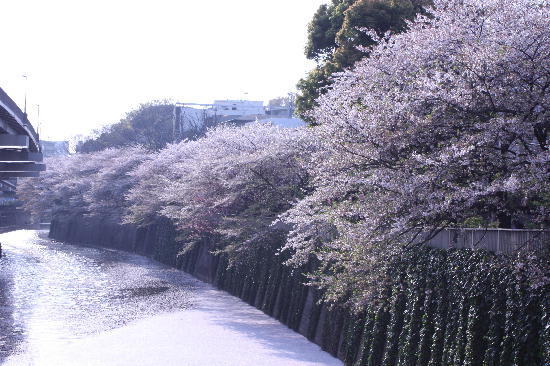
(11, 216)
(446, 307)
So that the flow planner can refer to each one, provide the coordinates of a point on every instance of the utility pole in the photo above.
(25, 110)
(38, 118)
(176, 123)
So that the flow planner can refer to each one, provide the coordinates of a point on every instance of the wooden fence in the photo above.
(504, 241)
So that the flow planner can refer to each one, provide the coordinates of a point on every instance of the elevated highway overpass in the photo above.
(20, 153)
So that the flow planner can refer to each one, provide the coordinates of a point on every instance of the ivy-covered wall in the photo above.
(454, 307)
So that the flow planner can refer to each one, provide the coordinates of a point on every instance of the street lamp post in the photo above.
(38, 118)
(25, 110)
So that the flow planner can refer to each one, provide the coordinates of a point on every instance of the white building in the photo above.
(54, 148)
(237, 108)
(192, 118)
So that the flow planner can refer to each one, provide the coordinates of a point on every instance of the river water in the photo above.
(63, 304)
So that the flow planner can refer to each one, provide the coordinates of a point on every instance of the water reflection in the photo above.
(10, 333)
(51, 293)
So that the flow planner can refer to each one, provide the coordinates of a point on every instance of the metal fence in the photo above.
(504, 241)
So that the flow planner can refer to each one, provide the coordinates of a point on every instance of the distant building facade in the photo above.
(191, 118)
(237, 108)
(54, 148)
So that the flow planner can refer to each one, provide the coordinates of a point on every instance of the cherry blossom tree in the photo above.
(153, 176)
(39, 195)
(230, 185)
(83, 184)
(446, 122)
(109, 186)
(61, 188)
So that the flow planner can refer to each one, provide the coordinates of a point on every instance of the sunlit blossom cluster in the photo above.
(230, 185)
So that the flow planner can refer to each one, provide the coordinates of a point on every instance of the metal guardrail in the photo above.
(505, 241)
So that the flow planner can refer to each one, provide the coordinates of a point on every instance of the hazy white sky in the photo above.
(90, 62)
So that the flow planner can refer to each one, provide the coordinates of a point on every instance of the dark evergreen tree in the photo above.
(334, 34)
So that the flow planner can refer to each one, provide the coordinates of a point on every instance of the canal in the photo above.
(64, 304)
